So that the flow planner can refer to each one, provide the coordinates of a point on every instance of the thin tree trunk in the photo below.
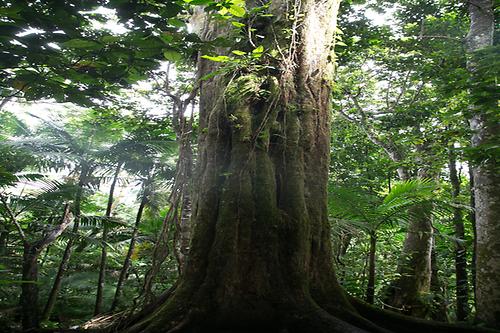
(184, 226)
(472, 219)
(104, 250)
(130, 251)
(438, 309)
(179, 199)
(160, 253)
(183, 128)
(63, 265)
(4, 237)
(462, 286)
(29, 288)
(485, 126)
(342, 245)
(370, 290)
(415, 264)
(414, 267)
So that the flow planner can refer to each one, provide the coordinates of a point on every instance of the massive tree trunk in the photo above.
(260, 254)
(485, 126)
(260, 257)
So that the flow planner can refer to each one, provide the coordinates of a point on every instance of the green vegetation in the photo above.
(191, 166)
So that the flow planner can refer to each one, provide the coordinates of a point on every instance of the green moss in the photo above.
(240, 90)
(241, 120)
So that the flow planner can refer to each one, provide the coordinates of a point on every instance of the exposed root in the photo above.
(105, 321)
(183, 325)
(401, 323)
(180, 317)
(312, 318)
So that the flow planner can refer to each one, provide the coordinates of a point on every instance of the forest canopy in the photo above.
(249, 166)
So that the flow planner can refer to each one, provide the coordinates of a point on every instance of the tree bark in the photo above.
(485, 126)
(462, 286)
(260, 257)
(104, 250)
(260, 253)
(131, 247)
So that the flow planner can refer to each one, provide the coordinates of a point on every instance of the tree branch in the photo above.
(56, 232)
(389, 146)
(13, 219)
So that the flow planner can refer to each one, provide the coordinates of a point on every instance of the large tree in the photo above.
(485, 127)
(260, 257)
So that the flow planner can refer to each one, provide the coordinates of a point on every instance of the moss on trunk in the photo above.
(260, 257)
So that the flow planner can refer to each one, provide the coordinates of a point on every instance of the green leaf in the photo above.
(237, 24)
(238, 52)
(172, 55)
(258, 49)
(199, 2)
(171, 9)
(78, 43)
(176, 22)
(10, 12)
(237, 11)
(217, 58)
(211, 75)
(110, 39)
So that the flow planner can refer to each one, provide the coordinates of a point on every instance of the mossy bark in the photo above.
(260, 257)
(260, 253)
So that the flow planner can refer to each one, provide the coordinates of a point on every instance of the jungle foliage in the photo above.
(99, 133)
